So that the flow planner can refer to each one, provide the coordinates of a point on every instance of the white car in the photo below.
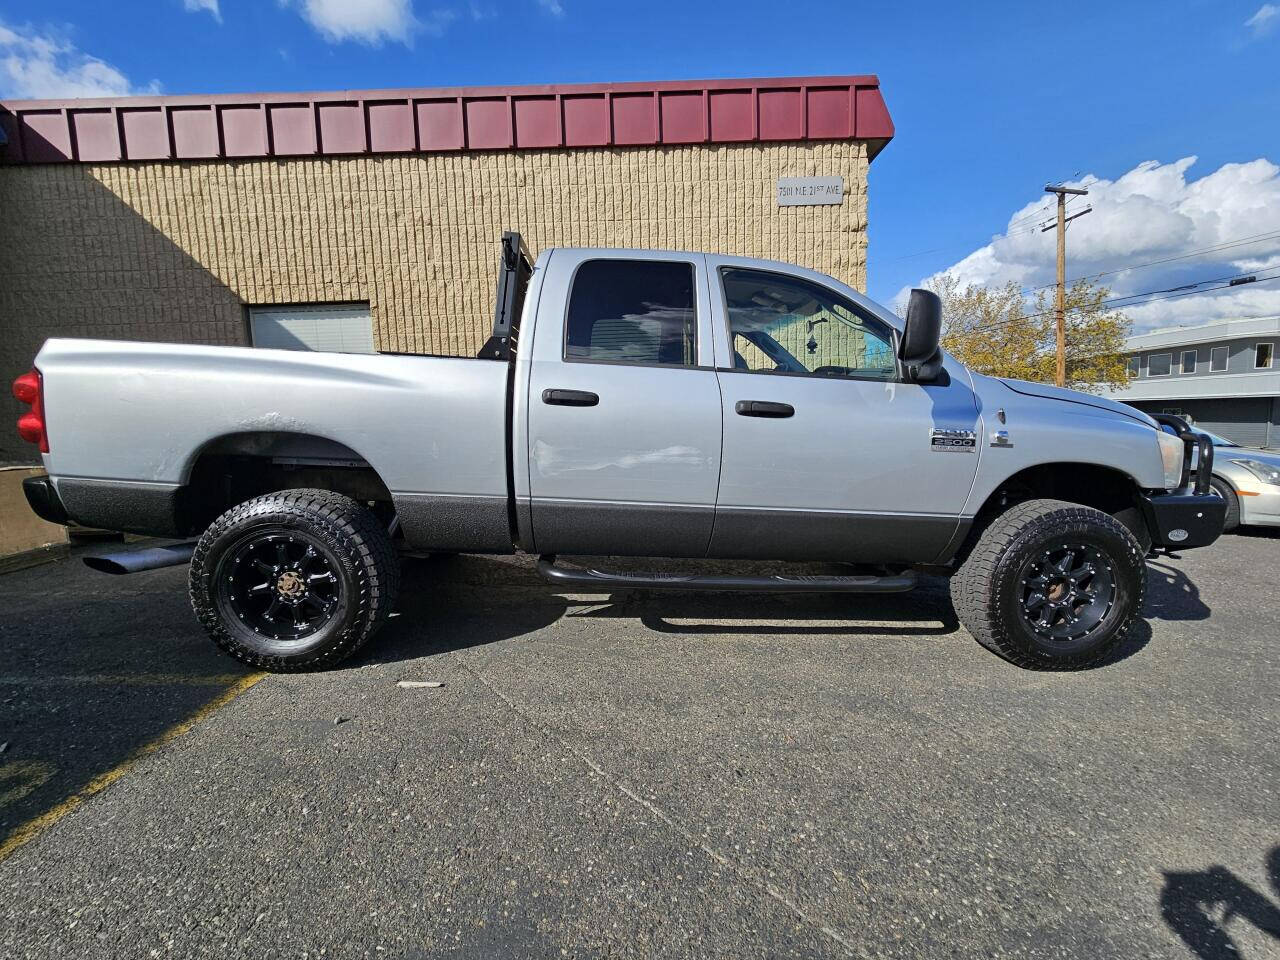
(1249, 480)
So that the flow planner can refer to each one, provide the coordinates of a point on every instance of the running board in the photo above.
(600, 579)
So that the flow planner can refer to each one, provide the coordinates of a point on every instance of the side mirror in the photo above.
(918, 349)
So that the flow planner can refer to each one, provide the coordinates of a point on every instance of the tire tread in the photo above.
(973, 584)
(377, 568)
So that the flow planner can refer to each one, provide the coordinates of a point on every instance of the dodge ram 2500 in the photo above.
(629, 403)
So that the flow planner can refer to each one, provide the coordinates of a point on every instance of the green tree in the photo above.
(1000, 332)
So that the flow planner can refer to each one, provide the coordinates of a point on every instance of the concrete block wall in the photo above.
(177, 251)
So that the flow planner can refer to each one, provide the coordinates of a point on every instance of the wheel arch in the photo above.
(236, 466)
(1109, 489)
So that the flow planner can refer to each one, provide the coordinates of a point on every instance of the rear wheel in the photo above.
(296, 580)
(1223, 489)
(1051, 585)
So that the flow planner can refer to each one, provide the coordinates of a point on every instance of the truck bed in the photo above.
(128, 421)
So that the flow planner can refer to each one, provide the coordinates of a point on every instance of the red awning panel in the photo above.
(421, 120)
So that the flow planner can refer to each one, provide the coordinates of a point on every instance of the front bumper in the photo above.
(1259, 503)
(1184, 519)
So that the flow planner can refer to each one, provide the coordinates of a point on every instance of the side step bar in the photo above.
(600, 579)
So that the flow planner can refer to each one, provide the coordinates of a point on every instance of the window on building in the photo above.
(1218, 360)
(1189, 360)
(633, 311)
(1135, 367)
(781, 324)
(325, 327)
(1159, 364)
(1262, 355)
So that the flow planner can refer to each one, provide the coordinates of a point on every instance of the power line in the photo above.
(1173, 294)
(1225, 245)
(956, 246)
(1186, 287)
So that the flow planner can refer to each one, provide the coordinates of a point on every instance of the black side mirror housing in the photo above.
(918, 350)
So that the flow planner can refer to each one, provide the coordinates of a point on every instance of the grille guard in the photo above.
(1197, 446)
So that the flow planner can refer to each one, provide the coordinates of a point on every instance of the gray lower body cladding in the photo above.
(147, 508)
(584, 528)
(606, 529)
(592, 528)
(761, 534)
(455, 524)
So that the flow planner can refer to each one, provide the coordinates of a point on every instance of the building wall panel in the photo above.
(176, 251)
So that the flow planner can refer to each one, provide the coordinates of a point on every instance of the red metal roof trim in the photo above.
(446, 119)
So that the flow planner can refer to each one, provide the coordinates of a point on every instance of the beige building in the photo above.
(358, 221)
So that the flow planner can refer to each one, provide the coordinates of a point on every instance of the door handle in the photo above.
(570, 398)
(764, 408)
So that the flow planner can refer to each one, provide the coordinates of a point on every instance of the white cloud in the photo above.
(1265, 20)
(195, 6)
(1152, 212)
(553, 7)
(370, 21)
(43, 66)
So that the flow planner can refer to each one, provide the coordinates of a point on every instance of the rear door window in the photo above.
(633, 311)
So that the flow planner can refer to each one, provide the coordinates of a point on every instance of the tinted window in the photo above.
(1218, 359)
(1189, 358)
(632, 311)
(1159, 364)
(1135, 366)
(781, 324)
(1262, 355)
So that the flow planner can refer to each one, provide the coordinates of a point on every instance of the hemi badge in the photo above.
(953, 441)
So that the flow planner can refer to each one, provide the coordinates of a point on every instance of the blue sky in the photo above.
(991, 101)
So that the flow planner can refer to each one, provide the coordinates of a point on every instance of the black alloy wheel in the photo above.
(1067, 591)
(280, 584)
(295, 580)
(1052, 585)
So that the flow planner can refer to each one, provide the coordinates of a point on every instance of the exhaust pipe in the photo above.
(148, 558)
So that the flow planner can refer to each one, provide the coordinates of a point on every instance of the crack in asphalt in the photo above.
(741, 869)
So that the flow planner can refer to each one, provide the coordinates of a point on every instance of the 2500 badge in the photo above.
(953, 441)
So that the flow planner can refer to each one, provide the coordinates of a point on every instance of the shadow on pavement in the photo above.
(92, 668)
(1172, 595)
(1257, 533)
(438, 610)
(1200, 906)
(429, 620)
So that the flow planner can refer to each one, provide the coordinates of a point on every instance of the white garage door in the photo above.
(330, 328)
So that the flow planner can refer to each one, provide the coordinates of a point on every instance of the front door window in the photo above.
(782, 324)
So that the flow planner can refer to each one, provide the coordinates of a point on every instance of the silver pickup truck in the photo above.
(629, 403)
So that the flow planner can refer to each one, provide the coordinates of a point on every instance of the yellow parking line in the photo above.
(125, 679)
(33, 828)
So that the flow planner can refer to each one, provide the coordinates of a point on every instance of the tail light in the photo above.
(29, 388)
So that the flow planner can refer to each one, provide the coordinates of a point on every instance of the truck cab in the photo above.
(692, 405)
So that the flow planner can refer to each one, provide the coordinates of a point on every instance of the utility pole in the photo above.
(1061, 309)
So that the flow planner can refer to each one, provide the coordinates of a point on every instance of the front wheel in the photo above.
(1222, 489)
(1051, 585)
(296, 580)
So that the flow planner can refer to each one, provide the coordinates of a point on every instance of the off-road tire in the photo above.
(988, 594)
(354, 545)
(1223, 489)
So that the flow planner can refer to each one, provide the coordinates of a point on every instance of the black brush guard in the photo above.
(1182, 519)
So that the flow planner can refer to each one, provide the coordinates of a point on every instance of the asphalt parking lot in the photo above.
(631, 775)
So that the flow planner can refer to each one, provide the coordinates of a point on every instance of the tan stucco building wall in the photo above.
(177, 251)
